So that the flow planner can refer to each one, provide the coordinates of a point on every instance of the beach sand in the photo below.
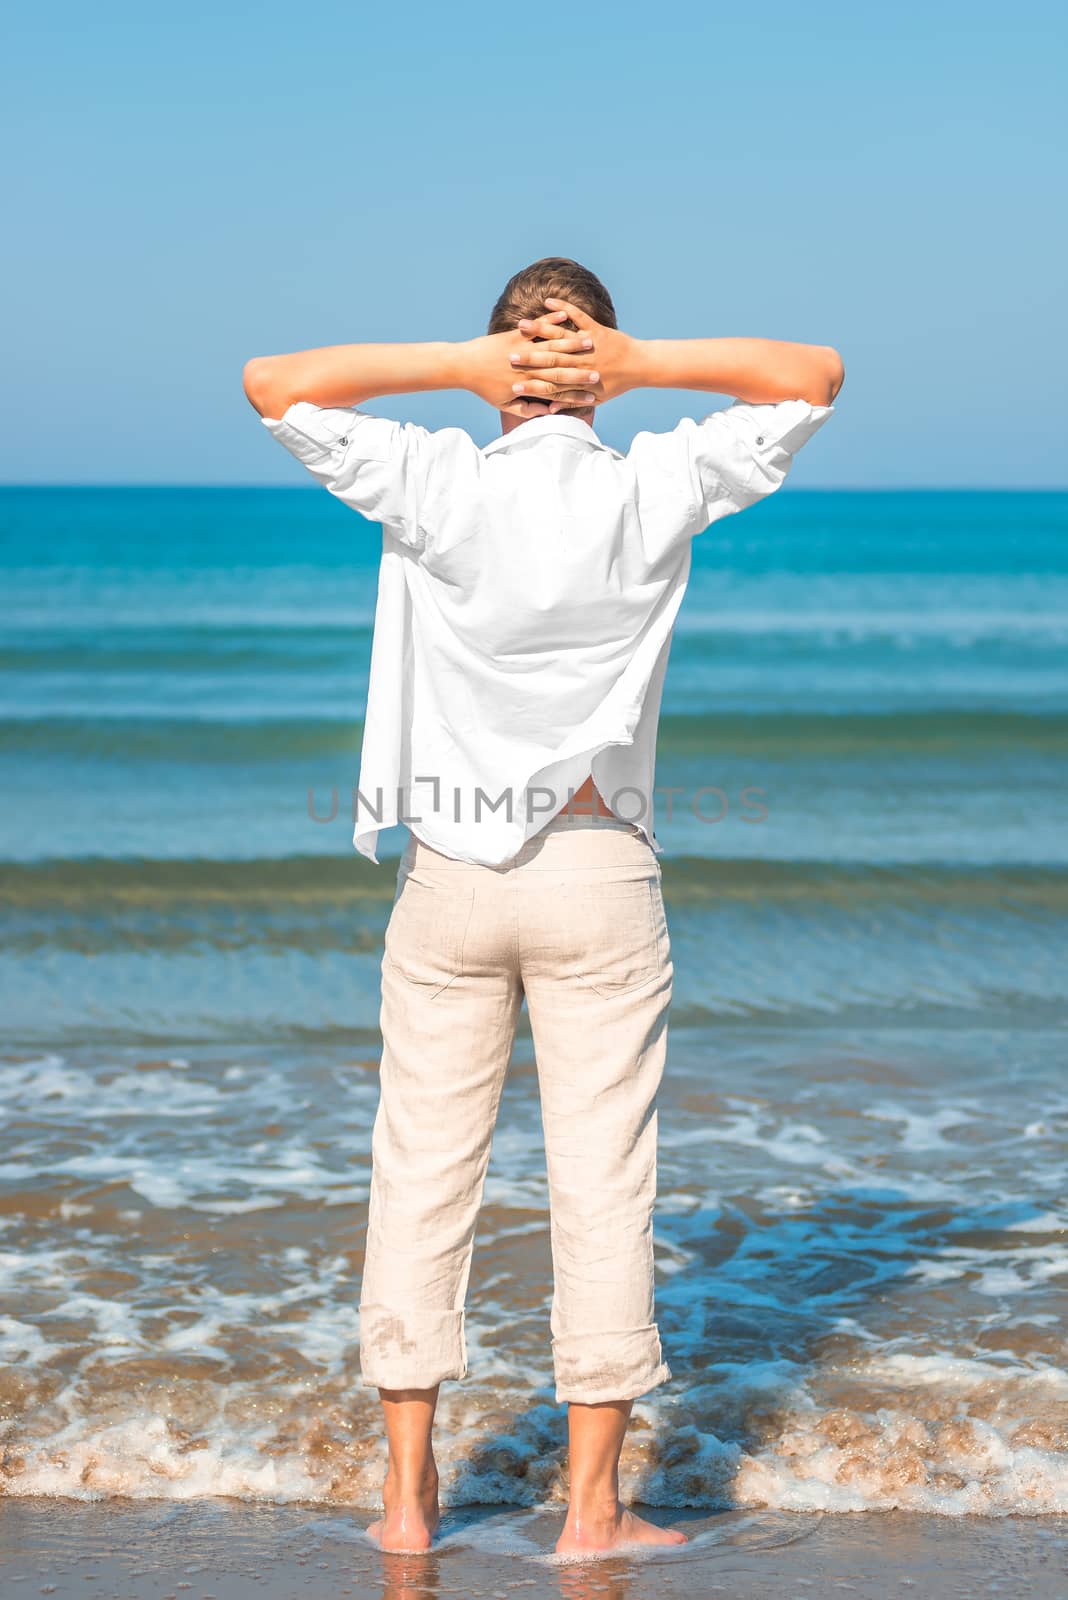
(228, 1550)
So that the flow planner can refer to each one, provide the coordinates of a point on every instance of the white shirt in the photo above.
(526, 596)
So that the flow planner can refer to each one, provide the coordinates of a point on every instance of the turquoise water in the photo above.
(863, 1128)
(866, 710)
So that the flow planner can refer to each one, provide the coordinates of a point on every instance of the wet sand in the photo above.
(228, 1550)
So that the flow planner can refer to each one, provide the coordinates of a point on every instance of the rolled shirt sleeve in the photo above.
(744, 452)
(703, 470)
(378, 467)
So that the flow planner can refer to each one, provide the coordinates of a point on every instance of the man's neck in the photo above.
(509, 421)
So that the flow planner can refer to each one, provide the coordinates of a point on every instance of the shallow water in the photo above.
(232, 1550)
(862, 1239)
(862, 1259)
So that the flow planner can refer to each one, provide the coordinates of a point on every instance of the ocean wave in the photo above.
(329, 879)
(801, 736)
(310, 647)
(703, 629)
(938, 1435)
(233, 740)
(289, 638)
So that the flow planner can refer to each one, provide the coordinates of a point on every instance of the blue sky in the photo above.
(192, 187)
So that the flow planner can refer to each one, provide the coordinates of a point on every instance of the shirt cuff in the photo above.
(780, 425)
(311, 432)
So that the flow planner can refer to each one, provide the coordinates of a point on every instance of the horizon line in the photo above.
(806, 488)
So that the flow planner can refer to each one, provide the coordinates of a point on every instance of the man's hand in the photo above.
(486, 367)
(618, 357)
(761, 371)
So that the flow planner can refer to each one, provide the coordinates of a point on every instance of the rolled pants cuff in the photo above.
(404, 1349)
(593, 1367)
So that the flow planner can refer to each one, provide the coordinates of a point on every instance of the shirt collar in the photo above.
(549, 422)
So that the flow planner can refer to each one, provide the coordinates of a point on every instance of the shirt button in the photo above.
(344, 439)
(760, 439)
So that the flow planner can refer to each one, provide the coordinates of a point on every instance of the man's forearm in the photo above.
(348, 374)
(757, 370)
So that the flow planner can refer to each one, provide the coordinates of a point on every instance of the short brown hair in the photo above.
(559, 278)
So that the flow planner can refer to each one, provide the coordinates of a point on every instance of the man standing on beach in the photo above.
(527, 594)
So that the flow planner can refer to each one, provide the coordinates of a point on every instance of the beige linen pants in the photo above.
(575, 922)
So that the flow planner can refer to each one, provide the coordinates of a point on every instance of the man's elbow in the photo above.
(832, 375)
(260, 379)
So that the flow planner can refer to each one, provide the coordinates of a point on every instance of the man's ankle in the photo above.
(594, 1503)
(411, 1480)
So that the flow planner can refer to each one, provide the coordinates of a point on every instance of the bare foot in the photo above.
(411, 1517)
(585, 1533)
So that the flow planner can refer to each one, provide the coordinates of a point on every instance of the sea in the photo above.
(862, 1226)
